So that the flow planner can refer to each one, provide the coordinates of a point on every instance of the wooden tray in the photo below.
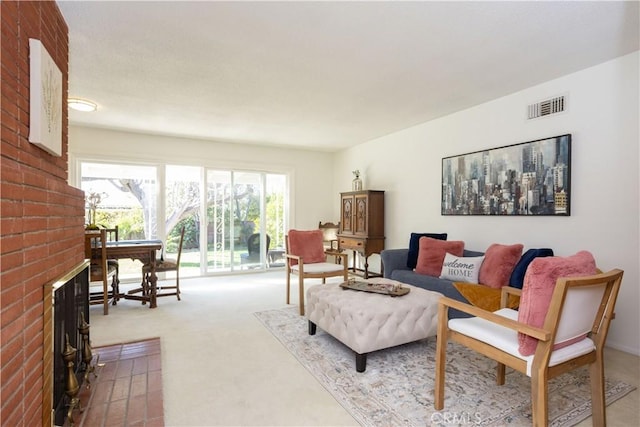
(378, 288)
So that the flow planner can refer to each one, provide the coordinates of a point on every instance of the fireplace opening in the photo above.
(69, 310)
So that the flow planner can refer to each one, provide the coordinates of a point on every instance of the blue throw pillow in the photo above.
(517, 277)
(414, 246)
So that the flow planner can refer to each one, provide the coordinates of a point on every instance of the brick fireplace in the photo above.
(42, 217)
(69, 301)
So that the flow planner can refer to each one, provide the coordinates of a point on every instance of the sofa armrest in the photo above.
(394, 259)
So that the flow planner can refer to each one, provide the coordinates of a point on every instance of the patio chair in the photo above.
(252, 257)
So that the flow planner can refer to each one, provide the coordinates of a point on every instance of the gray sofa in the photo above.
(394, 262)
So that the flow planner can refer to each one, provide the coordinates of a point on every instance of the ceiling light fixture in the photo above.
(82, 105)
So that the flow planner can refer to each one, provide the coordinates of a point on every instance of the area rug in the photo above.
(397, 387)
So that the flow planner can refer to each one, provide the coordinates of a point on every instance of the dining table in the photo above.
(145, 251)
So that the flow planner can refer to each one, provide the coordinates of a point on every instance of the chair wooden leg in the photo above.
(441, 356)
(116, 285)
(114, 291)
(177, 285)
(145, 285)
(301, 291)
(539, 398)
(105, 296)
(500, 371)
(288, 287)
(596, 375)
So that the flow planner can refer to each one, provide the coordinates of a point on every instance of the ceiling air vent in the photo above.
(547, 107)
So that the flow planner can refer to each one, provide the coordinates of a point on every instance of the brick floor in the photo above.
(128, 389)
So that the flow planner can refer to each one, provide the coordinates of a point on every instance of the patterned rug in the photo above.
(397, 387)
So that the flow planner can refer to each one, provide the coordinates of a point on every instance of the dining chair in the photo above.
(329, 235)
(573, 334)
(99, 269)
(113, 236)
(163, 266)
(305, 257)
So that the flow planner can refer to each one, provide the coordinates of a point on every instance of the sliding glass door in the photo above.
(245, 219)
(234, 220)
(183, 202)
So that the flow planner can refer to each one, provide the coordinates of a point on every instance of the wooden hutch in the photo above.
(362, 224)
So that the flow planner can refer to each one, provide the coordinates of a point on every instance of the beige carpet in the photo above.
(222, 367)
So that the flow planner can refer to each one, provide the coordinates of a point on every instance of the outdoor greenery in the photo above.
(129, 221)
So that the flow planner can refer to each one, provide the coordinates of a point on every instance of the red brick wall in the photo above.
(41, 217)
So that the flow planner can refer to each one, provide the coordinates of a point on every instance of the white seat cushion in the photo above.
(506, 339)
(318, 267)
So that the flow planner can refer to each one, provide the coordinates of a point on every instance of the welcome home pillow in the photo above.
(539, 284)
(499, 262)
(432, 252)
(461, 269)
(414, 246)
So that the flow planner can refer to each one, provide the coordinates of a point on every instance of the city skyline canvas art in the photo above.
(525, 179)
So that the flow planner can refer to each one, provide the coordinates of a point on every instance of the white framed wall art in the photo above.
(45, 112)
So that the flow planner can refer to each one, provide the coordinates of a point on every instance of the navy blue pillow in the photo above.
(517, 277)
(414, 246)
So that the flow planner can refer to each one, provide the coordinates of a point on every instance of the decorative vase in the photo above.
(92, 220)
(356, 184)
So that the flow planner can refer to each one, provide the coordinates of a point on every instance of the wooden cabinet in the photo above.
(362, 224)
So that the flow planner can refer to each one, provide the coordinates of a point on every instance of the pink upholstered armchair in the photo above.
(305, 256)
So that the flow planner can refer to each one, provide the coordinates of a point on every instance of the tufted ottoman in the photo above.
(366, 322)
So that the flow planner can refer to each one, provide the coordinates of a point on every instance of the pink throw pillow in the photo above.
(307, 244)
(499, 262)
(539, 284)
(432, 252)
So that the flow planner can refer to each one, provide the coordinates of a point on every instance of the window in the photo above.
(128, 200)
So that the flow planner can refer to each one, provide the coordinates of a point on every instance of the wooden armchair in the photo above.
(305, 257)
(329, 235)
(577, 320)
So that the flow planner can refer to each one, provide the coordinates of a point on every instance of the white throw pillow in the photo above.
(461, 269)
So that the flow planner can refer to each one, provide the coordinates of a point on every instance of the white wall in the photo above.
(310, 171)
(603, 118)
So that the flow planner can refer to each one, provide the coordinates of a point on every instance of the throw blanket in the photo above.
(484, 297)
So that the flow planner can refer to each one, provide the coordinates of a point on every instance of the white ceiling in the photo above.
(322, 75)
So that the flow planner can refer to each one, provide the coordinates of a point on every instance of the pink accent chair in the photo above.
(305, 257)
